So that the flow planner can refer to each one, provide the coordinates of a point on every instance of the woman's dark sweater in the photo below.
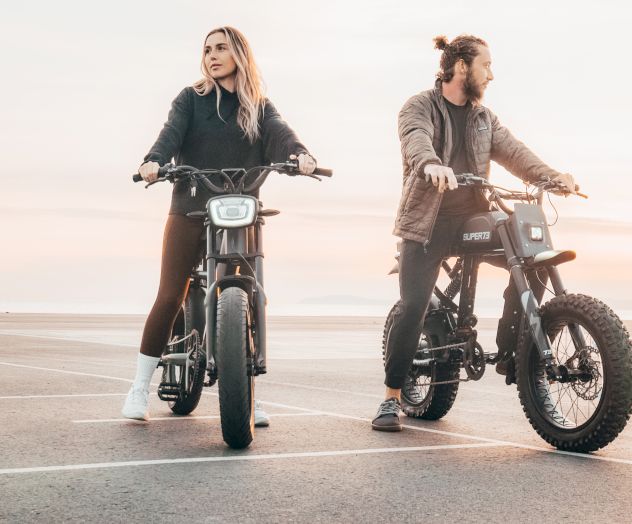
(195, 135)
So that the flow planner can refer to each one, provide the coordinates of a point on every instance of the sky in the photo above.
(87, 86)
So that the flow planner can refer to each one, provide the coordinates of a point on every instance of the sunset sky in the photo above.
(86, 87)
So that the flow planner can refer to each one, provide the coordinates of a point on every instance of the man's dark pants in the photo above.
(418, 272)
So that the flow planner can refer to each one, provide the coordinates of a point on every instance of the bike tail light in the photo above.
(536, 233)
(232, 211)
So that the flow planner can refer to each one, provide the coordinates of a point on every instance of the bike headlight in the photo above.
(232, 211)
(536, 233)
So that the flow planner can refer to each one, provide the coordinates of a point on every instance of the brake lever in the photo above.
(154, 182)
(558, 188)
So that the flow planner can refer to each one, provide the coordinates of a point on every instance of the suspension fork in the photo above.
(210, 300)
(558, 287)
(527, 299)
(260, 300)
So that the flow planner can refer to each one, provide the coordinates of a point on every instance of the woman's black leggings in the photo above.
(180, 253)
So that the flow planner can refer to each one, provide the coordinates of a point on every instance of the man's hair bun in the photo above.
(441, 42)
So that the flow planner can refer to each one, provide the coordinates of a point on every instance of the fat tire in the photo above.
(235, 385)
(613, 341)
(439, 399)
(184, 325)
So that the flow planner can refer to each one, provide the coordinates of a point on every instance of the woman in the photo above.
(223, 120)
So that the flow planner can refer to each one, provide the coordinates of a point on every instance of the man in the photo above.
(445, 131)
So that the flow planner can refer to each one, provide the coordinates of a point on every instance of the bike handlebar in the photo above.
(544, 184)
(229, 176)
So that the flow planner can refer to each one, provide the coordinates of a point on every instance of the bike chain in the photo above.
(452, 346)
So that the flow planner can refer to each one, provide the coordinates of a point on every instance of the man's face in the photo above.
(478, 75)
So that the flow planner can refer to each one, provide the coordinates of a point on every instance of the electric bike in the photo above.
(220, 332)
(573, 359)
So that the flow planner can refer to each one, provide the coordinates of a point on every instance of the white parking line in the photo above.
(8, 333)
(319, 388)
(86, 361)
(19, 397)
(465, 436)
(189, 417)
(359, 394)
(233, 458)
(67, 371)
(351, 417)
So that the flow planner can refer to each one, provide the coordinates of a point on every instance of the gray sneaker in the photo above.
(387, 417)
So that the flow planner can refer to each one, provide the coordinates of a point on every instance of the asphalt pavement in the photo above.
(67, 456)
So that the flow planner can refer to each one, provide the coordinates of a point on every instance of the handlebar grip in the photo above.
(321, 171)
(162, 172)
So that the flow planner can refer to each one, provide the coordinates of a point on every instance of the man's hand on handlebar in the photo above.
(306, 163)
(149, 171)
(442, 177)
(567, 183)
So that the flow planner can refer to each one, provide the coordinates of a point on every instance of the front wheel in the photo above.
(232, 355)
(588, 339)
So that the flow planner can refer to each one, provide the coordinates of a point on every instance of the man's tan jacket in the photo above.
(425, 133)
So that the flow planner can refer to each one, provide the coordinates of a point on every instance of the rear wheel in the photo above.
(419, 399)
(186, 393)
(588, 412)
(233, 356)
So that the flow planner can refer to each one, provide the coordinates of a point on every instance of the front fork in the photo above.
(530, 307)
(210, 307)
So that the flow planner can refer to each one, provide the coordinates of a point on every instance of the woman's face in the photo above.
(218, 57)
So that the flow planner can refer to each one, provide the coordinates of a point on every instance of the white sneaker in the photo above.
(261, 417)
(136, 404)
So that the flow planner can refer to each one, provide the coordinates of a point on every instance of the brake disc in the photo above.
(591, 389)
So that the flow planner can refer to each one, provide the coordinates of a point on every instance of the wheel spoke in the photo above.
(572, 403)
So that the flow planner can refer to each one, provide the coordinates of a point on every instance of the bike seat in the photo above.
(552, 257)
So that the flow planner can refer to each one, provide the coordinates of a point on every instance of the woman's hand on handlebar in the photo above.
(306, 163)
(149, 171)
(442, 177)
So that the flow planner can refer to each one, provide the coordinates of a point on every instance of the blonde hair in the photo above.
(248, 84)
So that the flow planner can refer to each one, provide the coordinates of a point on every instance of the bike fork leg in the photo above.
(260, 323)
(527, 298)
(559, 289)
(210, 305)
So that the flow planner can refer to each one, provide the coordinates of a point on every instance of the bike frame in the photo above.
(516, 251)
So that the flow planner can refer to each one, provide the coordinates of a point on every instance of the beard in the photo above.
(472, 90)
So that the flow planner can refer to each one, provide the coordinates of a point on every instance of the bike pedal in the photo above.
(167, 391)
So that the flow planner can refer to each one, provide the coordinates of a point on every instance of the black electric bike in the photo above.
(220, 332)
(573, 360)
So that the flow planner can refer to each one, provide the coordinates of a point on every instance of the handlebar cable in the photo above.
(557, 215)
